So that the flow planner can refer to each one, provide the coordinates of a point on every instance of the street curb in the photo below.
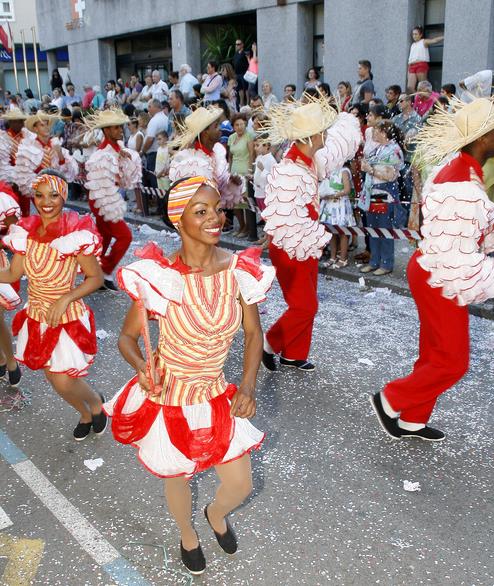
(476, 310)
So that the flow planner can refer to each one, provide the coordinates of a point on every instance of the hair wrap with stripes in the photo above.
(181, 193)
(56, 183)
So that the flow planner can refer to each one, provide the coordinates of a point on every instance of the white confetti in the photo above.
(366, 361)
(102, 334)
(411, 486)
(93, 464)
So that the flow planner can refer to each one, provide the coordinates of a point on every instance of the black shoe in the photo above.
(389, 425)
(227, 540)
(193, 560)
(100, 421)
(428, 434)
(268, 361)
(82, 431)
(3, 370)
(299, 364)
(108, 286)
(14, 376)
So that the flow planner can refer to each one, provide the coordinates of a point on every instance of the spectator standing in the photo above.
(110, 91)
(376, 114)
(263, 164)
(136, 136)
(57, 99)
(159, 89)
(71, 98)
(173, 80)
(344, 95)
(312, 78)
(252, 72)
(146, 93)
(424, 99)
(382, 193)
(240, 66)
(98, 102)
(56, 81)
(240, 157)
(363, 91)
(268, 98)
(212, 84)
(224, 120)
(178, 110)
(162, 162)
(187, 81)
(31, 104)
(418, 59)
(289, 92)
(229, 88)
(87, 98)
(393, 93)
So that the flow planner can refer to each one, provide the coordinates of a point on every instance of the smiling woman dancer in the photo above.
(194, 420)
(55, 329)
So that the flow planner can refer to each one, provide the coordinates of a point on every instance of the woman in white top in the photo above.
(418, 59)
(268, 98)
(136, 137)
(211, 87)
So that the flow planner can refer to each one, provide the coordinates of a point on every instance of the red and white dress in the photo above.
(188, 427)
(50, 265)
(9, 206)
(200, 161)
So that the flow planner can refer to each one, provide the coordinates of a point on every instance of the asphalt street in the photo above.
(329, 504)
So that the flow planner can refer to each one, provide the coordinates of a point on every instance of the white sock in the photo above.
(266, 346)
(410, 426)
(390, 412)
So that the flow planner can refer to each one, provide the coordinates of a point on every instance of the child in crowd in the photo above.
(336, 210)
(162, 161)
(262, 168)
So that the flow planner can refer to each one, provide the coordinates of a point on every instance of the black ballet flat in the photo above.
(193, 560)
(227, 540)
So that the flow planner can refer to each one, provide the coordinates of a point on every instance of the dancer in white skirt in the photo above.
(193, 419)
(55, 329)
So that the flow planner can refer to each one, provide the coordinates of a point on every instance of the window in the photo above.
(433, 27)
(6, 10)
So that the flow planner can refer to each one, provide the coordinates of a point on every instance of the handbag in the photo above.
(250, 77)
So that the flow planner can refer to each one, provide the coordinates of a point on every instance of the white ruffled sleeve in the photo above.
(342, 141)
(69, 168)
(16, 239)
(29, 158)
(160, 285)
(190, 163)
(231, 193)
(6, 169)
(79, 242)
(102, 174)
(8, 207)
(289, 190)
(456, 216)
(253, 289)
(130, 170)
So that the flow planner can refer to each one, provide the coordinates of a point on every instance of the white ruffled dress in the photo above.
(187, 428)
(9, 207)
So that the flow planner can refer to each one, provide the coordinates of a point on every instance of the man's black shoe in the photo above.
(298, 364)
(82, 431)
(227, 540)
(389, 425)
(428, 434)
(193, 560)
(268, 361)
(14, 376)
(108, 285)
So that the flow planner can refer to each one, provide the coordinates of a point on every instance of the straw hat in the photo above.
(194, 124)
(14, 114)
(298, 121)
(106, 118)
(448, 132)
(40, 117)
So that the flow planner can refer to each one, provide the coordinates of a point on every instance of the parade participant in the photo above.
(37, 151)
(450, 269)
(55, 330)
(9, 143)
(193, 420)
(111, 170)
(292, 216)
(201, 153)
(10, 212)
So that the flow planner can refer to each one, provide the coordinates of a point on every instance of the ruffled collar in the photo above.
(44, 144)
(115, 146)
(151, 251)
(472, 162)
(295, 154)
(198, 146)
(67, 223)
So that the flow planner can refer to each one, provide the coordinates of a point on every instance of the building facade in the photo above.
(111, 38)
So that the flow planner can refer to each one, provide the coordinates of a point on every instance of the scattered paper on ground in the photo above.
(411, 486)
(93, 464)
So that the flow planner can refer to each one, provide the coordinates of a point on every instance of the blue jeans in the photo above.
(382, 249)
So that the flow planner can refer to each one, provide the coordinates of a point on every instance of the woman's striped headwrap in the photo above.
(55, 182)
(182, 192)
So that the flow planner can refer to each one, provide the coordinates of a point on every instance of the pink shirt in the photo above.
(422, 106)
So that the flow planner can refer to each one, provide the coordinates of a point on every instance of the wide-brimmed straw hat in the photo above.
(106, 118)
(14, 114)
(448, 132)
(193, 125)
(40, 117)
(298, 121)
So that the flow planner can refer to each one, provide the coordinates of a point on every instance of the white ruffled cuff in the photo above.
(78, 242)
(8, 207)
(16, 239)
(8, 297)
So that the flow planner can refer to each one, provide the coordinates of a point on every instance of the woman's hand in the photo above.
(243, 403)
(56, 310)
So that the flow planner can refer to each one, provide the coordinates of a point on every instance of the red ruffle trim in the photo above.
(206, 447)
(249, 260)
(39, 347)
(6, 188)
(151, 251)
(69, 222)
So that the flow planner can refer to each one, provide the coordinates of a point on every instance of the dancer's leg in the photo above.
(6, 351)
(179, 500)
(76, 392)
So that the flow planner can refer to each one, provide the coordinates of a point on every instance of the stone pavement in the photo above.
(329, 505)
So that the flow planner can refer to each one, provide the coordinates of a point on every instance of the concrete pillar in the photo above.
(92, 62)
(51, 61)
(186, 48)
(285, 40)
(364, 29)
(468, 39)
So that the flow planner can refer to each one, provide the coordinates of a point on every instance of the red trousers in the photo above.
(291, 335)
(109, 231)
(444, 349)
